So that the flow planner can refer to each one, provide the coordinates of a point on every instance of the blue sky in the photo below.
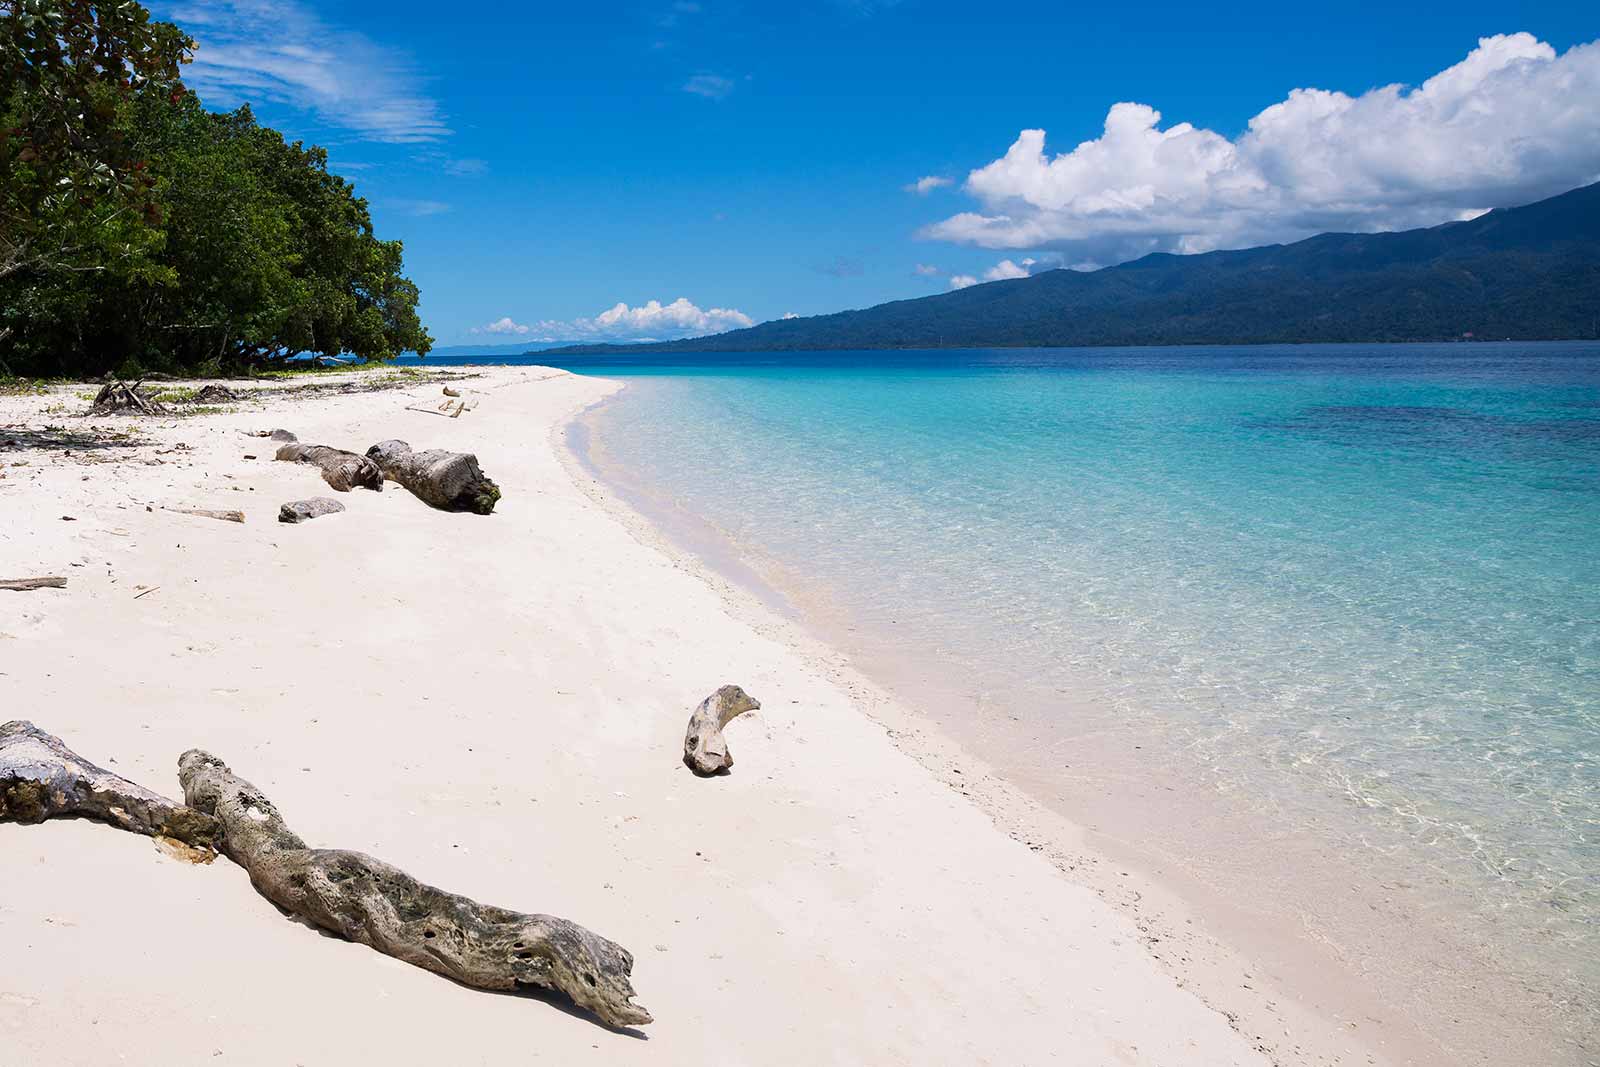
(544, 163)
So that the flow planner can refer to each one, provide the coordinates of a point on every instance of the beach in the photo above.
(497, 705)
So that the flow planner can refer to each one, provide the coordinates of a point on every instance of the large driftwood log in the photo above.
(41, 778)
(451, 481)
(705, 750)
(342, 470)
(370, 902)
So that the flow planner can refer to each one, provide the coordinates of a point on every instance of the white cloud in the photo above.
(650, 321)
(466, 168)
(417, 208)
(1511, 123)
(927, 270)
(503, 325)
(924, 186)
(710, 86)
(788, 315)
(278, 51)
(961, 281)
(1007, 269)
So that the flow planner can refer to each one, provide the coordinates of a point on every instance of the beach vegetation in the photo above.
(141, 232)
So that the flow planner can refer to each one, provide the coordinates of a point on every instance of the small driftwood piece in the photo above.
(450, 481)
(342, 470)
(208, 513)
(367, 901)
(41, 778)
(25, 585)
(306, 510)
(705, 750)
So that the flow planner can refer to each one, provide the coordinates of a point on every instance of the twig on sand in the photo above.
(147, 592)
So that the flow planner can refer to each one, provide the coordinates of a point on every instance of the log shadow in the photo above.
(551, 997)
(57, 439)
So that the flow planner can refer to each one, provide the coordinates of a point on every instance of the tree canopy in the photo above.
(138, 229)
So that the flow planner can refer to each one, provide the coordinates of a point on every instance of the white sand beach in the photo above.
(497, 705)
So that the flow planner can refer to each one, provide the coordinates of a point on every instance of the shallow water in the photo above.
(1358, 584)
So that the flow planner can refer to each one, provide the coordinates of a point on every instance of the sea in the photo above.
(1349, 590)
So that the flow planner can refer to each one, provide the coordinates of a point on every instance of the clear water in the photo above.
(1362, 581)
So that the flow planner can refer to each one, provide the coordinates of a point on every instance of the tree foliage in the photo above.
(137, 228)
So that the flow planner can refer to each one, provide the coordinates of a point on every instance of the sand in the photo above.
(497, 705)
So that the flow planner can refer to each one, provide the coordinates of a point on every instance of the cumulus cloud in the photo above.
(1511, 123)
(710, 86)
(650, 321)
(279, 51)
(961, 281)
(503, 325)
(1007, 269)
(924, 186)
(927, 270)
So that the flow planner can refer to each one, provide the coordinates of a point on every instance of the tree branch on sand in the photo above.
(342, 470)
(351, 894)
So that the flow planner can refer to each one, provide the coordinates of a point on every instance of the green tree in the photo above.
(75, 192)
(142, 229)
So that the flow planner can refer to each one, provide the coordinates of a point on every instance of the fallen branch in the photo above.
(24, 585)
(206, 513)
(342, 470)
(116, 396)
(41, 778)
(367, 901)
(705, 750)
(451, 481)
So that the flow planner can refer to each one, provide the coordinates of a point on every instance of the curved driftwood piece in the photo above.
(41, 778)
(367, 901)
(705, 750)
(451, 481)
(342, 470)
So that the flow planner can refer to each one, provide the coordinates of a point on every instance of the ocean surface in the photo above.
(1356, 587)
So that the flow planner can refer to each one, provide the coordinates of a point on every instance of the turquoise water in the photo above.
(1358, 583)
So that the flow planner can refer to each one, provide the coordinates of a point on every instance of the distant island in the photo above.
(1524, 273)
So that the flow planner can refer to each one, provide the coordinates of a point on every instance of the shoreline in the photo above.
(496, 705)
(1246, 960)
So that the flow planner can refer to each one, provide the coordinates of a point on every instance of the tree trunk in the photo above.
(450, 481)
(342, 470)
(41, 778)
(367, 901)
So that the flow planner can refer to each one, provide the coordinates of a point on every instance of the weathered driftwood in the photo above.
(306, 510)
(208, 513)
(118, 396)
(41, 778)
(451, 481)
(370, 902)
(342, 470)
(213, 394)
(24, 585)
(705, 750)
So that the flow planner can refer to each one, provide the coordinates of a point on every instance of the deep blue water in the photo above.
(1360, 578)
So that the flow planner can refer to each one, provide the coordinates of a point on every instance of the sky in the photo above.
(679, 167)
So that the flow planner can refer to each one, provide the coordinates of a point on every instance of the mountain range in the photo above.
(1524, 273)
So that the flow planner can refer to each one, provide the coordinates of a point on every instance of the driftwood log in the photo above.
(342, 470)
(451, 481)
(367, 901)
(705, 750)
(25, 585)
(210, 513)
(306, 510)
(41, 778)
